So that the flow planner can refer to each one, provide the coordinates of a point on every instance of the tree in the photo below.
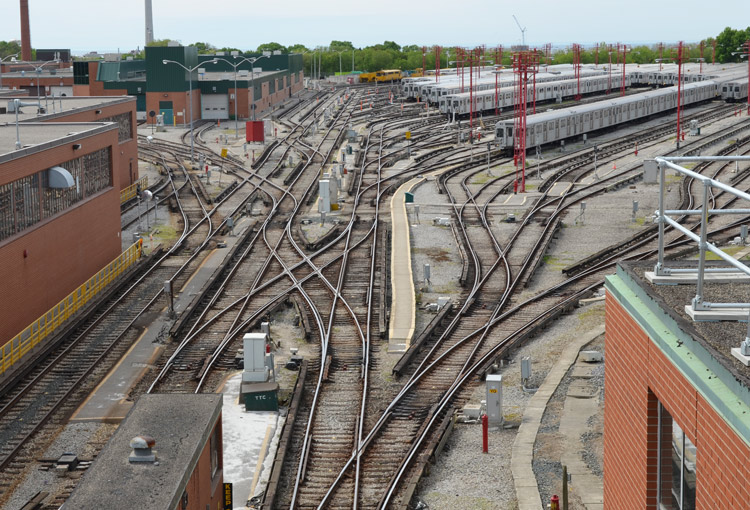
(727, 43)
(204, 48)
(272, 46)
(9, 48)
(162, 42)
(297, 48)
(341, 46)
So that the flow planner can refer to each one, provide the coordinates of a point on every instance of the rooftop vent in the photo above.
(142, 452)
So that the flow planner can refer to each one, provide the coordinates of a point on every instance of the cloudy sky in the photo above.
(106, 25)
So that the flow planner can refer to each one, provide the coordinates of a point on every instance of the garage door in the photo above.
(215, 106)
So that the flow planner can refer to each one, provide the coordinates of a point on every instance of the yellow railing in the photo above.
(14, 350)
(130, 192)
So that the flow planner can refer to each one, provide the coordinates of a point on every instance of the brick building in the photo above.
(120, 110)
(185, 472)
(677, 408)
(59, 213)
(164, 89)
(42, 78)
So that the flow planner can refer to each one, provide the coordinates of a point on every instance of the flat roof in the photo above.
(39, 136)
(718, 338)
(10, 93)
(242, 75)
(57, 107)
(64, 72)
(180, 424)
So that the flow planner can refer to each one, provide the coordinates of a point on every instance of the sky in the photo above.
(109, 26)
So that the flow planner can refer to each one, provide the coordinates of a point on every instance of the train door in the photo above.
(557, 129)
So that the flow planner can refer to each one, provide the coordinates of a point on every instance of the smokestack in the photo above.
(25, 31)
(149, 24)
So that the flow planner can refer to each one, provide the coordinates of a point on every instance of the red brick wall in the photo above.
(127, 173)
(203, 492)
(638, 373)
(61, 252)
(179, 100)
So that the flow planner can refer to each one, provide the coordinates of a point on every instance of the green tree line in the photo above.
(344, 56)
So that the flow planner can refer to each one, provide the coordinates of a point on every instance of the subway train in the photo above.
(553, 126)
(458, 104)
(733, 91)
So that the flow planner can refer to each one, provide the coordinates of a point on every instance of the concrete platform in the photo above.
(250, 441)
(721, 314)
(108, 402)
(403, 303)
(692, 278)
(524, 479)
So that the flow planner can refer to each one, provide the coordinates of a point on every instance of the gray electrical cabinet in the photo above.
(254, 346)
(495, 400)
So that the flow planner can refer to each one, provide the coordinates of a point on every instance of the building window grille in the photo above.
(676, 465)
(124, 126)
(29, 200)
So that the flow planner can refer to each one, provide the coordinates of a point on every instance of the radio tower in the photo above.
(524, 63)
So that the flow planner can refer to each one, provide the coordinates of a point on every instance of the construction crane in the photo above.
(523, 31)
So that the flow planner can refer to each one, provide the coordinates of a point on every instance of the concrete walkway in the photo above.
(527, 491)
(403, 301)
(108, 402)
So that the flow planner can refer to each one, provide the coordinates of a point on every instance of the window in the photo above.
(676, 465)
(215, 451)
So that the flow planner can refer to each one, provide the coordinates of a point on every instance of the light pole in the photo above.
(190, 96)
(12, 57)
(252, 61)
(234, 66)
(38, 71)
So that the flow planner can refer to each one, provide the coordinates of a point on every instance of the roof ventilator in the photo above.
(142, 452)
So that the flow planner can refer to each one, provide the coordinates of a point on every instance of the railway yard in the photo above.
(381, 362)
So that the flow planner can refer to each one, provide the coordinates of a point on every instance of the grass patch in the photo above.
(436, 254)
(729, 250)
(481, 178)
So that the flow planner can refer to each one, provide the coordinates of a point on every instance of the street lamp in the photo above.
(190, 96)
(13, 58)
(252, 61)
(38, 71)
(234, 66)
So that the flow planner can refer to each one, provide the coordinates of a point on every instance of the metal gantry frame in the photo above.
(663, 219)
(524, 63)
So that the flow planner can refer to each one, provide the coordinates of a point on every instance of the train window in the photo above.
(509, 132)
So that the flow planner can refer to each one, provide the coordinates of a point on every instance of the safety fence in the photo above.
(14, 350)
(133, 190)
